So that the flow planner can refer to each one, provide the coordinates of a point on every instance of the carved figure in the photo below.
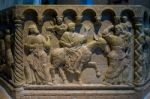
(117, 63)
(2, 51)
(146, 55)
(38, 61)
(60, 28)
(38, 69)
(48, 29)
(127, 26)
(35, 38)
(70, 38)
(66, 59)
(88, 30)
(9, 59)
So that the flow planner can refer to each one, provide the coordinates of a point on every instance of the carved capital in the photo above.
(98, 19)
(138, 20)
(40, 19)
(18, 21)
(79, 18)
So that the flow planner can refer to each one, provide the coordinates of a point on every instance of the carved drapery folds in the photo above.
(85, 45)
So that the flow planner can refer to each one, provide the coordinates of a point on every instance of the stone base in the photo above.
(74, 91)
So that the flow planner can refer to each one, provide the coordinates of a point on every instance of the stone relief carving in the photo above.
(146, 55)
(55, 52)
(2, 51)
(75, 51)
(37, 60)
(7, 58)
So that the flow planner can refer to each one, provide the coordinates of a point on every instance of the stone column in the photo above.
(138, 61)
(19, 77)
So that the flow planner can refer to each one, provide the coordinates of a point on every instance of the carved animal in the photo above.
(76, 59)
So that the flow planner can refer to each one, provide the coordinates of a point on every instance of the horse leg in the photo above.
(52, 72)
(79, 78)
(62, 74)
(95, 66)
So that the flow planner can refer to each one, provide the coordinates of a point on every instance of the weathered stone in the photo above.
(74, 52)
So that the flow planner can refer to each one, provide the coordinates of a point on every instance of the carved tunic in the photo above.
(69, 39)
(36, 61)
(116, 60)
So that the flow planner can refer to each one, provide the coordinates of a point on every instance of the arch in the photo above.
(70, 14)
(145, 19)
(128, 13)
(49, 14)
(30, 14)
(108, 14)
(89, 14)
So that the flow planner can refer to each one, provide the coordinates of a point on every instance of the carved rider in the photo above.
(70, 38)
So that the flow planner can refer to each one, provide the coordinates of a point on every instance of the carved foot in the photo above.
(78, 71)
(106, 83)
(49, 83)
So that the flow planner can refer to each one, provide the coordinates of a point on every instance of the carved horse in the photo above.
(75, 59)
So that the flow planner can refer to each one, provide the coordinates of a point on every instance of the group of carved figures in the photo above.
(43, 59)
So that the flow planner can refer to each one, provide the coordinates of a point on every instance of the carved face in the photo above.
(59, 21)
(71, 27)
(124, 19)
(34, 31)
(118, 31)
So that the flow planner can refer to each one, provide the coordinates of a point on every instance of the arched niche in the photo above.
(69, 15)
(145, 19)
(108, 14)
(30, 14)
(129, 14)
(49, 14)
(30, 18)
(89, 14)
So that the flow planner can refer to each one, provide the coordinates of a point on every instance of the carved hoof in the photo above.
(65, 82)
(106, 83)
(49, 83)
(78, 72)
(98, 74)
(80, 82)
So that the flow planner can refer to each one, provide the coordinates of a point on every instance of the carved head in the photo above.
(33, 29)
(59, 20)
(124, 19)
(146, 31)
(71, 26)
(118, 30)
